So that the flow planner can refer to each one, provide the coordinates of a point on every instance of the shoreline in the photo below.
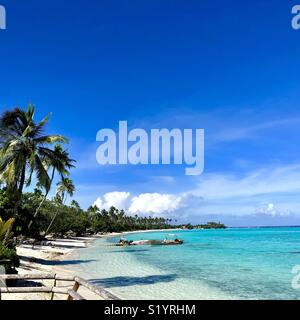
(63, 257)
(131, 277)
(49, 256)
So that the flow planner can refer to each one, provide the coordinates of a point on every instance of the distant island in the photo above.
(209, 225)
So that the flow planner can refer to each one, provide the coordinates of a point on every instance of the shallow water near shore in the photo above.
(212, 264)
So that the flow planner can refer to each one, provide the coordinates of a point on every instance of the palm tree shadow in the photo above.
(131, 250)
(54, 262)
(131, 281)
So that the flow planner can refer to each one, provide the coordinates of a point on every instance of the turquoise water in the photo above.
(212, 264)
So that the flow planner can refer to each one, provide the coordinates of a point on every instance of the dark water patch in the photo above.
(129, 250)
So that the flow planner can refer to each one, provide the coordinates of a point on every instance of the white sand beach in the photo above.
(47, 258)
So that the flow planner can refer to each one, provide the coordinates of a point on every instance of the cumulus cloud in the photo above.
(252, 194)
(113, 199)
(155, 203)
(271, 210)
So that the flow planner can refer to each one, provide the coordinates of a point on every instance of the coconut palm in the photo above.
(58, 160)
(24, 149)
(65, 187)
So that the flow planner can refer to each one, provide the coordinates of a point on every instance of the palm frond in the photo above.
(52, 139)
(41, 173)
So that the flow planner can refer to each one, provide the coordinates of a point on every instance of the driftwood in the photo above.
(71, 294)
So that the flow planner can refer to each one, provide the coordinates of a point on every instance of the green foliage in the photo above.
(209, 225)
(24, 149)
(115, 220)
(65, 187)
(6, 204)
(213, 225)
(8, 255)
(4, 227)
(9, 259)
(94, 221)
(78, 221)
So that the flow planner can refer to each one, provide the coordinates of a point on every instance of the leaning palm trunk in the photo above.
(41, 203)
(17, 203)
(53, 219)
(51, 223)
(37, 211)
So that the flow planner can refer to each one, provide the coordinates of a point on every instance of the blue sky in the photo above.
(229, 67)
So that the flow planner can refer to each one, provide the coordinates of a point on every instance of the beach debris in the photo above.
(170, 239)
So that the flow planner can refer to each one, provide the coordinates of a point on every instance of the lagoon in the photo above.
(254, 263)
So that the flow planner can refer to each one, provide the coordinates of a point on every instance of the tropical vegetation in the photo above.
(209, 225)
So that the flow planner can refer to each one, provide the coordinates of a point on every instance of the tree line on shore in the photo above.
(209, 225)
(71, 219)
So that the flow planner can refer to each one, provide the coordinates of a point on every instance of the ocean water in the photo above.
(251, 263)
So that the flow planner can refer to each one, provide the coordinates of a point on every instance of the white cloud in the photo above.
(144, 204)
(271, 210)
(113, 199)
(244, 132)
(98, 203)
(155, 203)
(254, 193)
(260, 182)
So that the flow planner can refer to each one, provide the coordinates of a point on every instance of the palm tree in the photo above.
(65, 187)
(75, 205)
(59, 161)
(23, 151)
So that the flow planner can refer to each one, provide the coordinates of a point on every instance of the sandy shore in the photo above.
(47, 258)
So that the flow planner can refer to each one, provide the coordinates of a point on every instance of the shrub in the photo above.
(9, 259)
